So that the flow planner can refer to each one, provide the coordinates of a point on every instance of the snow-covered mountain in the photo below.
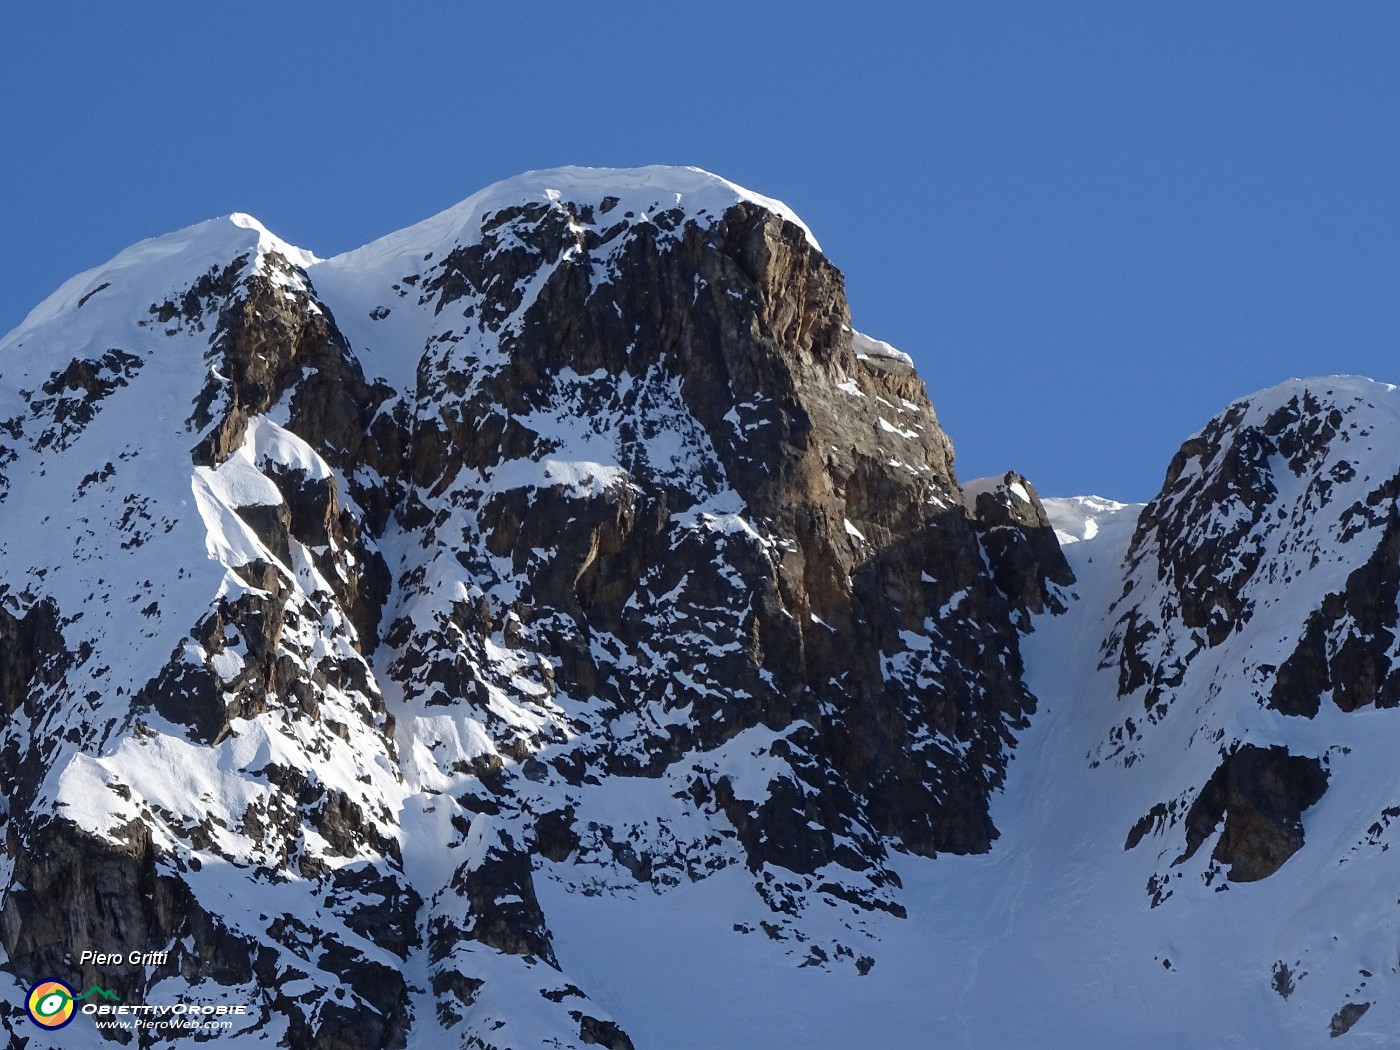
(555, 625)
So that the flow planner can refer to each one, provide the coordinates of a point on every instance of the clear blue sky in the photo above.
(1092, 224)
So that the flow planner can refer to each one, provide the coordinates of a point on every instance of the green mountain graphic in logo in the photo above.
(110, 996)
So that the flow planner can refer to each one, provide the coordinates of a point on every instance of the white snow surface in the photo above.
(168, 260)
(1079, 518)
(643, 191)
(867, 346)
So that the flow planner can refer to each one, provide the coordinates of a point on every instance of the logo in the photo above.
(51, 1003)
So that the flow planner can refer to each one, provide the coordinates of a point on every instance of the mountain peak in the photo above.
(168, 261)
(158, 266)
(627, 192)
(266, 240)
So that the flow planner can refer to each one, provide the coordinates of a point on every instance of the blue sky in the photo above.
(1091, 224)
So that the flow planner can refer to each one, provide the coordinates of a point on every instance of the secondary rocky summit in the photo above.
(575, 526)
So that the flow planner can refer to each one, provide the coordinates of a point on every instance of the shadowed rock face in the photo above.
(1261, 794)
(1348, 644)
(30, 646)
(652, 513)
(1345, 1018)
(1027, 563)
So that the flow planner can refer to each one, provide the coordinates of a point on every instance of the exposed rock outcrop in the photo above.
(1027, 563)
(1261, 794)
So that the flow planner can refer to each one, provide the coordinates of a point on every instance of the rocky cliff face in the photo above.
(574, 534)
(1262, 576)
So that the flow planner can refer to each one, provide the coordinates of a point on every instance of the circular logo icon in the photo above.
(50, 1004)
